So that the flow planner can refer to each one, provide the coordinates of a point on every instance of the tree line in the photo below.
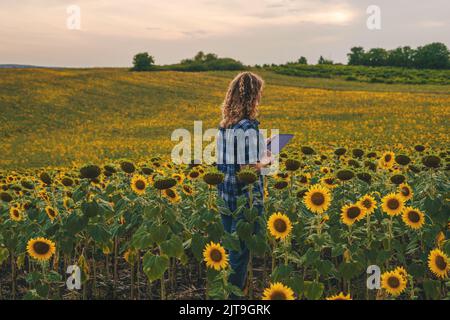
(431, 56)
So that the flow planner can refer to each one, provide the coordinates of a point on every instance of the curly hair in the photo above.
(242, 99)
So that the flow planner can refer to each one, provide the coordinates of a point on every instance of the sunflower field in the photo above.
(363, 187)
(153, 230)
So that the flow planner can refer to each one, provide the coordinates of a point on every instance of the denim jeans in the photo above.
(238, 260)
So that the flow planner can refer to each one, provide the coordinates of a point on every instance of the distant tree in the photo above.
(377, 57)
(401, 57)
(210, 57)
(322, 60)
(143, 62)
(200, 56)
(357, 56)
(432, 56)
(302, 60)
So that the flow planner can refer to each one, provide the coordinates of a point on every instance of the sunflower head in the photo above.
(215, 257)
(139, 184)
(340, 151)
(431, 161)
(405, 191)
(278, 291)
(402, 159)
(392, 204)
(369, 203)
(340, 296)
(213, 177)
(15, 213)
(351, 213)
(393, 282)
(281, 184)
(187, 189)
(279, 225)
(438, 263)
(52, 213)
(247, 176)
(172, 195)
(6, 196)
(317, 199)
(292, 164)
(413, 218)
(90, 171)
(164, 183)
(41, 249)
(45, 178)
(345, 175)
(67, 181)
(127, 166)
(387, 160)
(307, 150)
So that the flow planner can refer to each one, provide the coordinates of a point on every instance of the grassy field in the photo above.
(64, 117)
(371, 189)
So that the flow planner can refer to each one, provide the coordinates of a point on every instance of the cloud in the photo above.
(176, 19)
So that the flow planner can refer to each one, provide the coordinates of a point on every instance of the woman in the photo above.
(239, 115)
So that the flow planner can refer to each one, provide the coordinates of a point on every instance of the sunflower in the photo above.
(15, 213)
(405, 191)
(351, 213)
(278, 291)
(438, 263)
(279, 225)
(317, 199)
(402, 271)
(387, 160)
(52, 213)
(340, 296)
(414, 218)
(172, 195)
(187, 189)
(368, 203)
(392, 204)
(179, 177)
(193, 174)
(440, 238)
(215, 257)
(329, 182)
(393, 282)
(41, 249)
(139, 184)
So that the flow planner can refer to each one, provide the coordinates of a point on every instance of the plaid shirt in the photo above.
(231, 189)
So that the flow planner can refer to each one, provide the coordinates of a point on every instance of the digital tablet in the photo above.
(281, 139)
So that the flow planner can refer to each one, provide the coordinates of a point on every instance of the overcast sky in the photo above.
(253, 31)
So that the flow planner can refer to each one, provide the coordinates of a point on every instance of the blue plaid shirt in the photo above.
(230, 162)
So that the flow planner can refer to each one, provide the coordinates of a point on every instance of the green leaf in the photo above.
(4, 254)
(215, 231)
(75, 223)
(282, 273)
(231, 242)
(432, 289)
(99, 233)
(90, 209)
(244, 230)
(313, 290)
(173, 247)
(155, 266)
(198, 244)
(159, 233)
